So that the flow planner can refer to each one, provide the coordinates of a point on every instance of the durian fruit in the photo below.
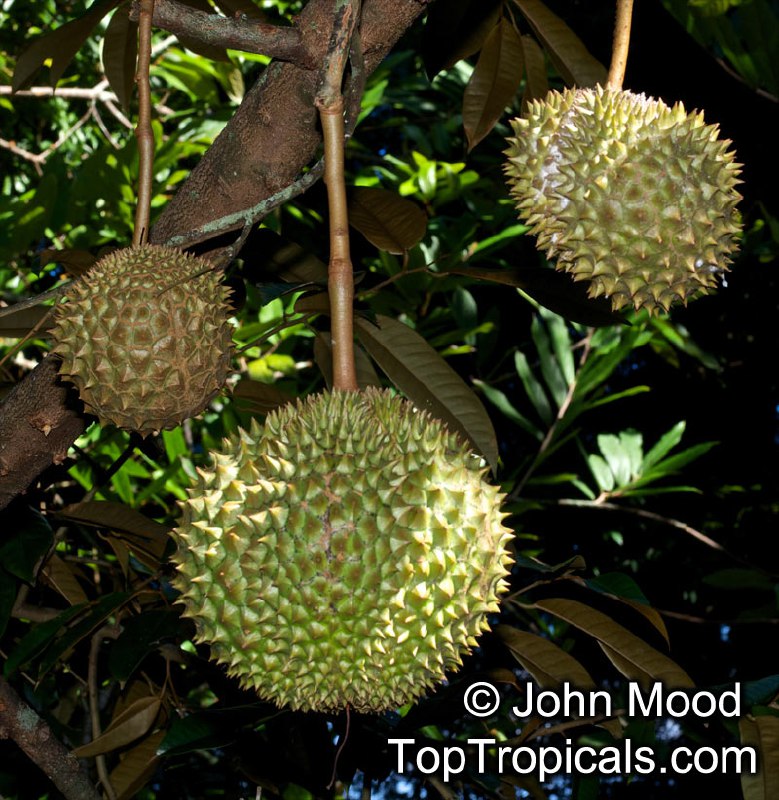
(145, 337)
(626, 192)
(346, 554)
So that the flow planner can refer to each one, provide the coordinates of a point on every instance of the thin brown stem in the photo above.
(107, 631)
(619, 49)
(143, 131)
(561, 412)
(655, 517)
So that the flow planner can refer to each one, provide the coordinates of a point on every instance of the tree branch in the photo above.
(20, 723)
(249, 35)
(270, 142)
(143, 130)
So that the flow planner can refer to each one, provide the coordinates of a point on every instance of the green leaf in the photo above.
(740, 579)
(533, 388)
(27, 537)
(141, 635)
(561, 344)
(423, 376)
(618, 584)
(569, 55)
(214, 727)
(616, 457)
(37, 640)
(59, 45)
(95, 613)
(387, 220)
(8, 589)
(553, 376)
(494, 82)
(666, 443)
(601, 472)
(502, 403)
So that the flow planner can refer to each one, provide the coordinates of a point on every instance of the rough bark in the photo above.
(21, 724)
(39, 421)
(272, 137)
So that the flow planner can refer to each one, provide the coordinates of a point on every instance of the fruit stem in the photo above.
(340, 280)
(619, 50)
(143, 131)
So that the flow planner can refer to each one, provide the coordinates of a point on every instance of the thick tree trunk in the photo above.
(270, 140)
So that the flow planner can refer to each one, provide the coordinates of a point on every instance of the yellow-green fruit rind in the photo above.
(347, 553)
(145, 337)
(626, 192)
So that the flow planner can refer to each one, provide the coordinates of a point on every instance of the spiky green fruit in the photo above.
(345, 554)
(145, 337)
(626, 192)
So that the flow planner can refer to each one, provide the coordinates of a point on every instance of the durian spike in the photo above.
(619, 49)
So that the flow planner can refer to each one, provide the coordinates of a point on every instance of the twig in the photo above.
(619, 49)
(30, 302)
(21, 724)
(240, 33)
(143, 131)
(561, 412)
(111, 632)
(247, 217)
(340, 284)
(655, 517)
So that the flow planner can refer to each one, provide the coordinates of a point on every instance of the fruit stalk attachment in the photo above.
(143, 131)
(340, 285)
(619, 49)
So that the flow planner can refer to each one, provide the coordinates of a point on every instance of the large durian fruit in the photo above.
(346, 554)
(145, 337)
(626, 192)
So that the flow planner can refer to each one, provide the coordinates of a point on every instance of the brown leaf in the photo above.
(426, 379)
(259, 398)
(641, 657)
(323, 355)
(493, 83)
(317, 302)
(120, 49)
(136, 767)
(536, 80)
(61, 576)
(146, 538)
(545, 661)
(17, 324)
(387, 220)
(59, 45)
(762, 733)
(569, 55)
(75, 262)
(554, 290)
(456, 29)
(126, 727)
